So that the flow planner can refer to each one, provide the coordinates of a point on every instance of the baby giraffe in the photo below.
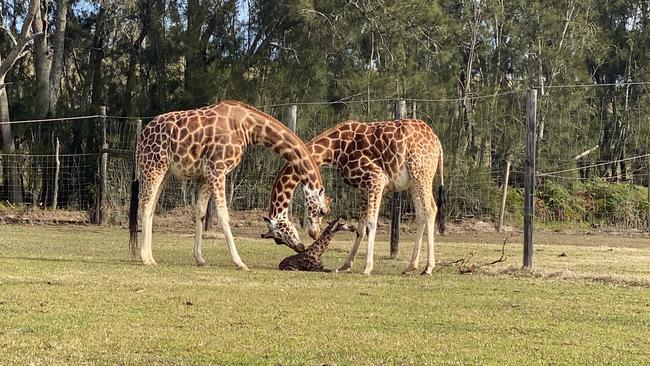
(309, 259)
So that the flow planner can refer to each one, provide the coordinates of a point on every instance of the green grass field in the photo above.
(72, 295)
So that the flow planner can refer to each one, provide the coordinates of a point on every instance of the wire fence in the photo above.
(592, 158)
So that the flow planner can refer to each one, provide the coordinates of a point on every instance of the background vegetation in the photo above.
(141, 58)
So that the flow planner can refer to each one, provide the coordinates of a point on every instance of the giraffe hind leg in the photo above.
(374, 202)
(149, 194)
(421, 224)
(431, 212)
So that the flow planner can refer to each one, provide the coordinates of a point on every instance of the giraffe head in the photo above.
(284, 232)
(317, 205)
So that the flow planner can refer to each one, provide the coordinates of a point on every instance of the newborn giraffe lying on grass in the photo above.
(309, 259)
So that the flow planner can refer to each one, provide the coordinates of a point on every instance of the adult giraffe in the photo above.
(375, 158)
(206, 144)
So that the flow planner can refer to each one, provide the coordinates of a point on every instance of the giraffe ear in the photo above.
(266, 219)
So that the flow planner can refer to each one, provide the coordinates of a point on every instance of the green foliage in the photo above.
(620, 204)
(515, 205)
(596, 202)
(557, 203)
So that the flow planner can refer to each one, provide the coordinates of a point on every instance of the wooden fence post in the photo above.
(101, 207)
(530, 176)
(502, 214)
(57, 168)
(396, 206)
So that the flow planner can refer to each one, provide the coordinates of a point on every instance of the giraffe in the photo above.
(205, 144)
(378, 158)
(309, 259)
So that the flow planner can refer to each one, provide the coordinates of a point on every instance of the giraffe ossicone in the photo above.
(205, 144)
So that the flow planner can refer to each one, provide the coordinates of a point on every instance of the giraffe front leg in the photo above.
(361, 234)
(200, 209)
(219, 193)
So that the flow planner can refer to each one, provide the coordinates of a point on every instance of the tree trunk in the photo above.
(13, 182)
(58, 54)
(200, 26)
(92, 92)
(10, 168)
(41, 63)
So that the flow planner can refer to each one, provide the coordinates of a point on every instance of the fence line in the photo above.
(593, 165)
(476, 150)
(61, 119)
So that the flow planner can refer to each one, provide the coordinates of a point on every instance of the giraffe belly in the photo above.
(190, 171)
(401, 181)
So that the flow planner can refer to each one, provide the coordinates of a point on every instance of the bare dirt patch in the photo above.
(249, 224)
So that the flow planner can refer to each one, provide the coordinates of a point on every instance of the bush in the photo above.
(618, 204)
(559, 204)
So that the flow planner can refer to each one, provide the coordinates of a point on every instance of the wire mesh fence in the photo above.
(592, 157)
(592, 143)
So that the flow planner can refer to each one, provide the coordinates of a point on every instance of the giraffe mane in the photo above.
(264, 115)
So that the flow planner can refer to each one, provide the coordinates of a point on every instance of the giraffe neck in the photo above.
(318, 248)
(287, 180)
(320, 245)
(265, 130)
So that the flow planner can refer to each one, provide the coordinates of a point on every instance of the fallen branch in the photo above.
(467, 267)
(447, 264)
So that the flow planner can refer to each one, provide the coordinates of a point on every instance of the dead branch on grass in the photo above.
(466, 267)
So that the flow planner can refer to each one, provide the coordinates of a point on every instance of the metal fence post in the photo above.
(57, 170)
(648, 185)
(396, 206)
(101, 207)
(530, 176)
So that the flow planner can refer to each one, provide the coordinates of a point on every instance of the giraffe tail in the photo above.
(133, 216)
(441, 202)
(441, 197)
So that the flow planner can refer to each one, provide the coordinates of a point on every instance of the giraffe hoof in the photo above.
(243, 268)
(345, 268)
(426, 272)
(409, 270)
(201, 263)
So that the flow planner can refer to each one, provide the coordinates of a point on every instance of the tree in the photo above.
(6, 63)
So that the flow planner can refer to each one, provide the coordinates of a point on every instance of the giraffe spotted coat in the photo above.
(205, 144)
(378, 158)
(309, 258)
